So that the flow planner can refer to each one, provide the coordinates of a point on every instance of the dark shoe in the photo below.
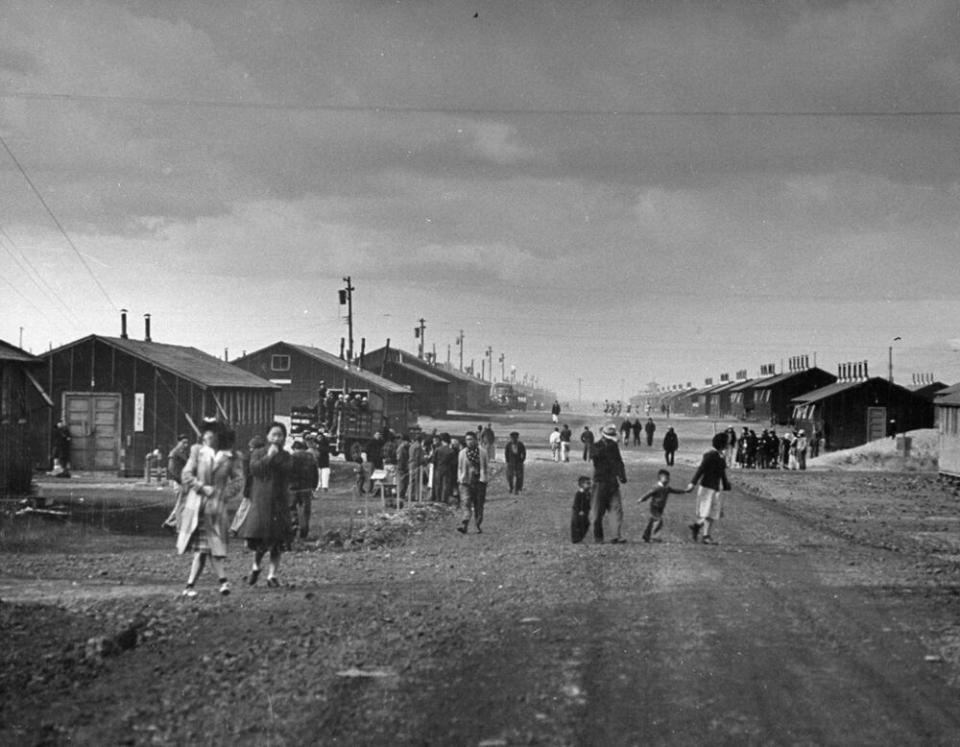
(694, 531)
(618, 541)
(272, 583)
(708, 540)
(225, 588)
(254, 575)
(462, 530)
(646, 538)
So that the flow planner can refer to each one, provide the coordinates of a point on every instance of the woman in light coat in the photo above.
(212, 477)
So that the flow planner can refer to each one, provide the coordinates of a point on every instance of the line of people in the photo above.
(770, 450)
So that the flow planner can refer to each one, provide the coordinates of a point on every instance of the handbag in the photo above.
(189, 519)
(242, 510)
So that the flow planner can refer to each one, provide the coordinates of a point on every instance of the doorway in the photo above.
(94, 422)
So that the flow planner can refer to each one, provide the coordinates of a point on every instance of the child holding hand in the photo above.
(658, 502)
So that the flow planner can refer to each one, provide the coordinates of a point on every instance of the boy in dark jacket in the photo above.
(658, 502)
(580, 519)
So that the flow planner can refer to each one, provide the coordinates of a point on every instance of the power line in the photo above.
(52, 293)
(411, 109)
(56, 222)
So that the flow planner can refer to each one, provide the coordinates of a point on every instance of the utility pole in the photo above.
(490, 358)
(460, 343)
(418, 334)
(503, 376)
(346, 298)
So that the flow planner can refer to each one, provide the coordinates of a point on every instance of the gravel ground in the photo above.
(398, 630)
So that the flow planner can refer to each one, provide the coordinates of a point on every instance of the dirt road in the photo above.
(790, 631)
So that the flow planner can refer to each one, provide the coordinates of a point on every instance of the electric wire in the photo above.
(56, 222)
(468, 110)
(49, 293)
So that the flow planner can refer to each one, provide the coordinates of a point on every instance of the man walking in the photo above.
(515, 454)
(608, 473)
(472, 476)
(586, 438)
(650, 428)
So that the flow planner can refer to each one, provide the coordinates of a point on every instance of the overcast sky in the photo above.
(606, 193)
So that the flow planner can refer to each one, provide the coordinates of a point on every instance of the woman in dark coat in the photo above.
(266, 527)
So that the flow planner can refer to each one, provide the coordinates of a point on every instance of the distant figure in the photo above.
(650, 428)
(304, 477)
(801, 445)
(489, 441)
(445, 474)
(415, 464)
(711, 476)
(555, 411)
(586, 438)
(731, 451)
(637, 428)
(670, 445)
(625, 429)
(61, 450)
(565, 435)
(555, 444)
(323, 459)
(515, 454)
(580, 518)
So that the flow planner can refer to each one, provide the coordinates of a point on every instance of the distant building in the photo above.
(773, 397)
(431, 389)
(299, 371)
(947, 404)
(24, 419)
(851, 413)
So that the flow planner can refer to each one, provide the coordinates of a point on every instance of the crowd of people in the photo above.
(276, 484)
(770, 450)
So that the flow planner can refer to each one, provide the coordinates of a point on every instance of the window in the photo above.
(279, 362)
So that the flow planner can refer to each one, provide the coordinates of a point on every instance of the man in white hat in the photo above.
(608, 473)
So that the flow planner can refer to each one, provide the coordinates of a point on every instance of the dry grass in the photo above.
(882, 455)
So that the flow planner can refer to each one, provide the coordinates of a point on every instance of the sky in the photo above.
(605, 194)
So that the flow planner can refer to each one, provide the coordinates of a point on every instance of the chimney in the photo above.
(123, 324)
(146, 327)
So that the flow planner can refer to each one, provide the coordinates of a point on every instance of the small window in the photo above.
(279, 362)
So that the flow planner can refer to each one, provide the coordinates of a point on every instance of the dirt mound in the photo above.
(882, 454)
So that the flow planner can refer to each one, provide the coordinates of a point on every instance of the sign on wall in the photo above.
(139, 404)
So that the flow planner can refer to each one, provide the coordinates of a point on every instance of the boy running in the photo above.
(658, 502)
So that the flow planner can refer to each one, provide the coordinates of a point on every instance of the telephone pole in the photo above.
(503, 376)
(490, 358)
(418, 333)
(346, 298)
(460, 343)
